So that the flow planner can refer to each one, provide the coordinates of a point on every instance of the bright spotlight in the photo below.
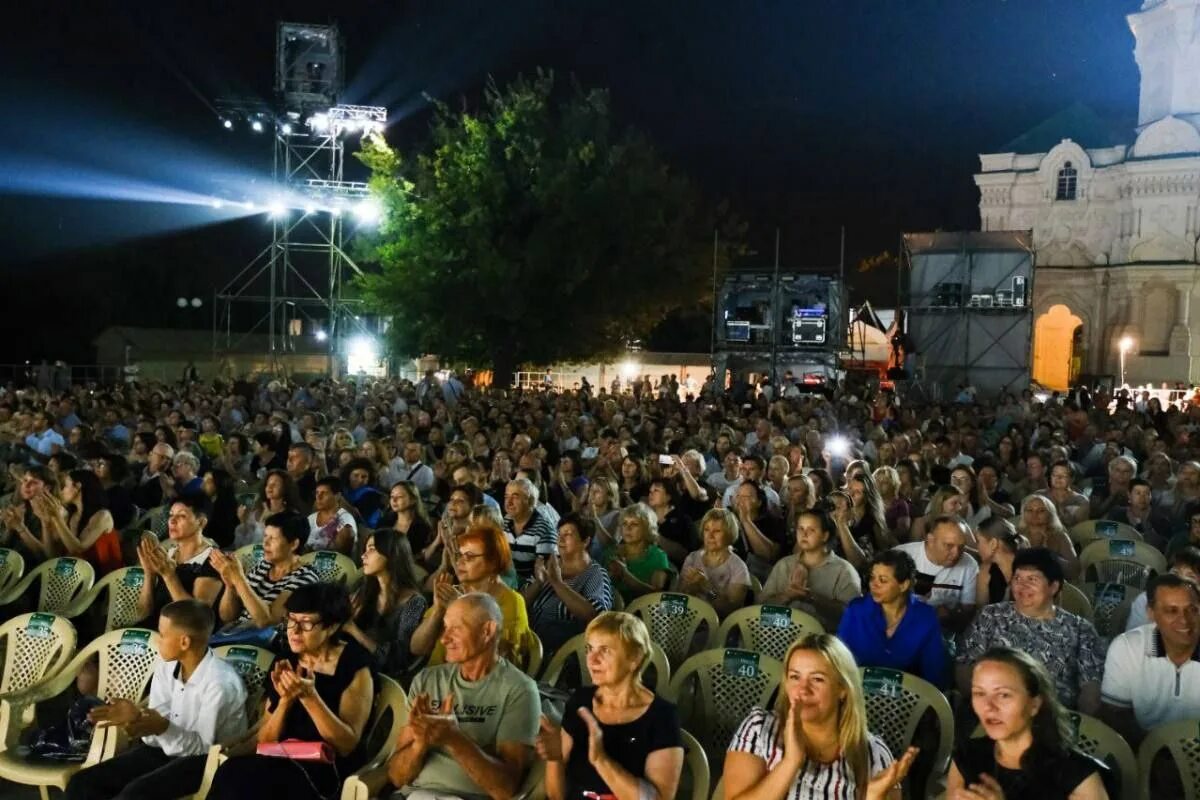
(248, 205)
(838, 446)
(228, 123)
(629, 370)
(321, 336)
(286, 129)
(1126, 344)
(319, 122)
(310, 209)
(215, 203)
(336, 211)
(256, 126)
(182, 302)
(276, 209)
(197, 302)
(362, 354)
(368, 211)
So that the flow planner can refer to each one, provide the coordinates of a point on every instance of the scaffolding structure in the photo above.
(293, 289)
(968, 311)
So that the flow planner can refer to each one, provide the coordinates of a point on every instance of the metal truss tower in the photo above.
(292, 290)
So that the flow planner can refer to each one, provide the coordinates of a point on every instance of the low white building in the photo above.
(1115, 216)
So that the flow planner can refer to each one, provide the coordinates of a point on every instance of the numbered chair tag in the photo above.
(1121, 548)
(39, 626)
(1107, 529)
(134, 642)
(675, 605)
(882, 682)
(1109, 594)
(3, 557)
(325, 559)
(742, 663)
(775, 617)
(65, 567)
(134, 578)
(256, 555)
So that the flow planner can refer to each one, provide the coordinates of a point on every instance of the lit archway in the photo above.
(1057, 348)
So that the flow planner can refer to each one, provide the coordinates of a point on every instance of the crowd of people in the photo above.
(490, 524)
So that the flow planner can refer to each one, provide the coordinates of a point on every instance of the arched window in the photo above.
(1067, 179)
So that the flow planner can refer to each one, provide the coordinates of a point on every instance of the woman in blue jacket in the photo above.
(891, 628)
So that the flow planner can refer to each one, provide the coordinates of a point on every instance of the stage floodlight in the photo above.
(368, 211)
(182, 302)
(215, 203)
(310, 209)
(629, 370)
(228, 123)
(319, 122)
(362, 354)
(285, 129)
(256, 126)
(321, 336)
(277, 209)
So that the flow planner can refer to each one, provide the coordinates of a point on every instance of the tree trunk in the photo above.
(504, 365)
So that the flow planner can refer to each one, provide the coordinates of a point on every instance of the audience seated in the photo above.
(406, 515)
(1138, 513)
(998, 543)
(715, 573)
(815, 742)
(277, 495)
(253, 603)
(22, 526)
(196, 700)
(77, 522)
(1184, 562)
(946, 576)
(388, 605)
(1066, 644)
(330, 525)
(473, 724)
(617, 738)
(482, 558)
(675, 534)
(530, 532)
(181, 570)
(891, 628)
(1024, 752)
(1152, 673)
(636, 563)
(568, 591)
(814, 578)
(763, 538)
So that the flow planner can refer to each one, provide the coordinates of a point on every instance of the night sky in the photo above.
(805, 115)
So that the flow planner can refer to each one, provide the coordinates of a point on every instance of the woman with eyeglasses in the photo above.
(569, 590)
(321, 691)
(483, 557)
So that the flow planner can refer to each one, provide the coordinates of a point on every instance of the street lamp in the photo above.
(1126, 344)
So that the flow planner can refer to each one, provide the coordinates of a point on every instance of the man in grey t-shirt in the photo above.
(474, 720)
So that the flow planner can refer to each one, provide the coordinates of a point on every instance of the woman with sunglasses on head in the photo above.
(321, 691)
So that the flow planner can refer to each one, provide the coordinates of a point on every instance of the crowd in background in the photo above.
(932, 539)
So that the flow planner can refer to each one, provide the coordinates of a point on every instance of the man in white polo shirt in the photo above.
(1152, 673)
(945, 573)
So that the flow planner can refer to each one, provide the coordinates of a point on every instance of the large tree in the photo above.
(532, 230)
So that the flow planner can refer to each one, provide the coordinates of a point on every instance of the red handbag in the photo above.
(296, 750)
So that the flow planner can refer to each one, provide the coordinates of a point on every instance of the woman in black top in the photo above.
(615, 734)
(1027, 751)
(998, 545)
(321, 691)
(218, 485)
(675, 534)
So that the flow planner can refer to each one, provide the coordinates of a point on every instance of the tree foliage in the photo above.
(533, 231)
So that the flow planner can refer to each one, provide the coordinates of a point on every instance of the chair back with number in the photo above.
(32, 648)
(715, 691)
(674, 621)
(896, 703)
(1126, 561)
(249, 555)
(1110, 606)
(568, 668)
(769, 630)
(333, 567)
(254, 665)
(1084, 533)
(1071, 598)
(119, 590)
(62, 581)
(12, 568)
(1101, 742)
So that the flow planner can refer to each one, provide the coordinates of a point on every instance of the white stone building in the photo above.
(1115, 217)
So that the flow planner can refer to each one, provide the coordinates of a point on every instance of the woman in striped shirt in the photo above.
(566, 593)
(815, 744)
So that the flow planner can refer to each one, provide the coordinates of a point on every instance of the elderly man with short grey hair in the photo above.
(474, 720)
(530, 532)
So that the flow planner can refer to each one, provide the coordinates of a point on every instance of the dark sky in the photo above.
(806, 115)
